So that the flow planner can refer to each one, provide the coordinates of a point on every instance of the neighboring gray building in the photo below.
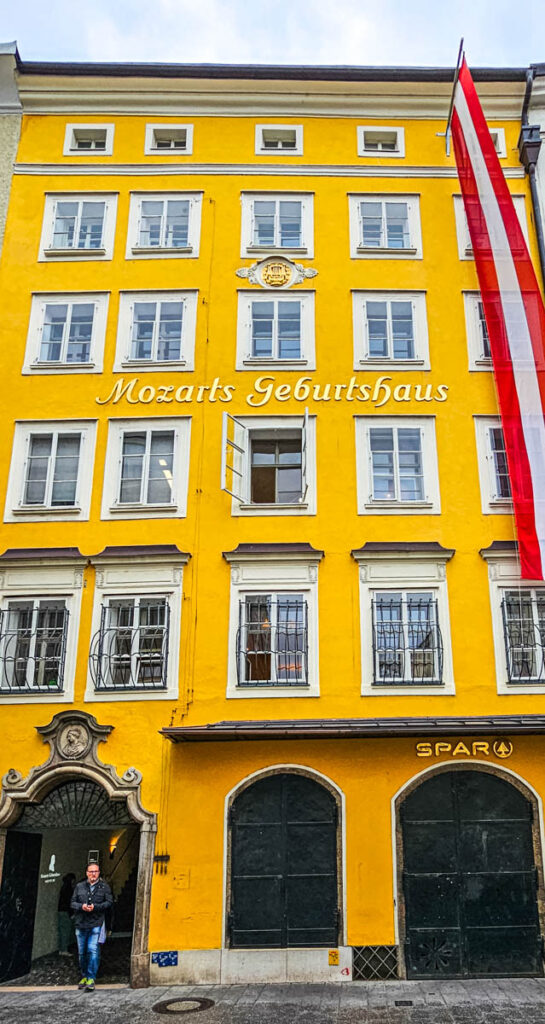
(10, 125)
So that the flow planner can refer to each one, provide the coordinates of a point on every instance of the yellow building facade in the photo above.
(260, 594)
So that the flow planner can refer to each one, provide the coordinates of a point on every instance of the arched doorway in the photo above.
(469, 879)
(284, 864)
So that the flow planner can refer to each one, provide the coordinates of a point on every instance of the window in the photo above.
(498, 138)
(268, 464)
(51, 470)
(390, 329)
(465, 247)
(164, 224)
(89, 139)
(385, 225)
(78, 227)
(275, 330)
(381, 141)
(146, 470)
(405, 638)
(523, 613)
(397, 465)
(493, 470)
(273, 643)
(477, 332)
(39, 622)
(169, 139)
(66, 333)
(135, 633)
(279, 139)
(156, 329)
(277, 222)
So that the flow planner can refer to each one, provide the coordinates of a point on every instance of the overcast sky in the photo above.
(399, 32)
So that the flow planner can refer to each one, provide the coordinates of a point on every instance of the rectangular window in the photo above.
(381, 141)
(164, 225)
(276, 471)
(502, 484)
(277, 223)
(483, 331)
(276, 329)
(272, 640)
(33, 637)
(51, 473)
(88, 139)
(279, 138)
(169, 139)
(130, 651)
(67, 332)
(157, 331)
(385, 225)
(492, 463)
(465, 244)
(79, 224)
(146, 467)
(523, 613)
(396, 464)
(407, 644)
(390, 329)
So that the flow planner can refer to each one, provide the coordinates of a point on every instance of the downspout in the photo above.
(529, 145)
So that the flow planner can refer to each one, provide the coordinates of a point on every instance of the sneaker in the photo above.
(83, 983)
(90, 986)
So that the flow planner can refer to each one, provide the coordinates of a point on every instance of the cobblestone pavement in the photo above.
(454, 1002)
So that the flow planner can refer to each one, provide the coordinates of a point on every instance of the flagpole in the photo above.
(456, 73)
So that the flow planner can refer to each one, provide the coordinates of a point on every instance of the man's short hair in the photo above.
(93, 864)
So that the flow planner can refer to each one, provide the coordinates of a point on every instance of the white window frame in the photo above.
(47, 253)
(34, 581)
(274, 574)
(365, 129)
(465, 248)
(33, 364)
(186, 361)
(136, 252)
(70, 148)
(358, 251)
(477, 359)
(490, 501)
(420, 330)
(111, 507)
(262, 150)
(367, 505)
(379, 573)
(145, 576)
(504, 575)
(236, 462)
(249, 248)
(150, 147)
(15, 510)
(498, 138)
(245, 360)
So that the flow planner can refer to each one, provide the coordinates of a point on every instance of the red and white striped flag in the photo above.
(515, 317)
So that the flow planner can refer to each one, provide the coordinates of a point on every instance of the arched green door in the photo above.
(469, 879)
(284, 864)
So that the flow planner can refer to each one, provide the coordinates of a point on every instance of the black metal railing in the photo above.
(524, 637)
(32, 651)
(129, 657)
(272, 641)
(407, 643)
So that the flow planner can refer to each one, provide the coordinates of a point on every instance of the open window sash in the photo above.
(235, 451)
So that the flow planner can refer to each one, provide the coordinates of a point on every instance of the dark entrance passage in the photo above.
(74, 821)
(284, 864)
(469, 879)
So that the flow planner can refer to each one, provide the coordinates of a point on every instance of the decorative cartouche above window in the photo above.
(276, 272)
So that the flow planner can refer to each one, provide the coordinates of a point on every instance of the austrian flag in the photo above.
(515, 318)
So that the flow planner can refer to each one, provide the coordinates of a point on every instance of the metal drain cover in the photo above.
(183, 1005)
(403, 1002)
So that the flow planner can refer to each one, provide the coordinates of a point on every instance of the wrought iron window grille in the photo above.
(33, 649)
(128, 656)
(272, 640)
(523, 614)
(407, 641)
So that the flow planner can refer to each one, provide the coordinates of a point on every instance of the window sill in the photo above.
(484, 363)
(66, 253)
(380, 154)
(398, 504)
(277, 250)
(151, 250)
(285, 506)
(54, 365)
(139, 507)
(167, 152)
(145, 364)
(305, 690)
(368, 250)
(47, 510)
(276, 364)
(391, 364)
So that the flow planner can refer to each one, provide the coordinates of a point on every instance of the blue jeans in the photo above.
(89, 951)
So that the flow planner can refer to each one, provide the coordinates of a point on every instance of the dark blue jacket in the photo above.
(101, 898)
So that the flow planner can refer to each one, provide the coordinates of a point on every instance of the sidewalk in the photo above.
(502, 1001)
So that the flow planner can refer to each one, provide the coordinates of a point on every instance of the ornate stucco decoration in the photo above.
(276, 272)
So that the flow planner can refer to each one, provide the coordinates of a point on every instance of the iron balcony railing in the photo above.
(129, 657)
(272, 641)
(32, 651)
(407, 643)
(524, 637)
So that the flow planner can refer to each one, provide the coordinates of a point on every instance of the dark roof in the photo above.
(141, 551)
(28, 554)
(409, 547)
(356, 728)
(295, 548)
(266, 72)
(500, 547)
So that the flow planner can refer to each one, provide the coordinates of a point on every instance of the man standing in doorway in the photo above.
(90, 900)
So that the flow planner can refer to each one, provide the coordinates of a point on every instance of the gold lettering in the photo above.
(326, 395)
(418, 393)
(442, 748)
(480, 747)
(263, 386)
(146, 394)
(379, 386)
(402, 393)
(442, 390)
(119, 390)
(163, 390)
(423, 750)
(351, 388)
(301, 390)
(365, 391)
(338, 391)
(461, 748)
(228, 390)
(282, 392)
(184, 393)
(200, 391)
(213, 389)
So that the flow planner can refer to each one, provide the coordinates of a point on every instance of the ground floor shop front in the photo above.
(311, 852)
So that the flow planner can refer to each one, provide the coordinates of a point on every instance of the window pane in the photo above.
(381, 441)
(397, 225)
(53, 332)
(134, 447)
(377, 328)
(411, 480)
(81, 331)
(65, 225)
(257, 638)
(264, 213)
(142, 329)
(65, 474)
(263, 472)
(289, 475)
(290, 224)
(170, 330)
(501, 472)
(389, 644)
(289, 330)
(483, 332)
(177, 225)
(160, 468)
(92, 221)
(402, 330)
(291, 638)
(151, 215)
(371, 224)
(262, 329)
(39, 453)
